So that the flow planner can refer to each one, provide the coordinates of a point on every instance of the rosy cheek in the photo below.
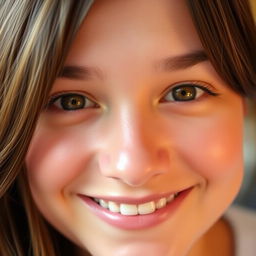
(54, 160)
(215, 149)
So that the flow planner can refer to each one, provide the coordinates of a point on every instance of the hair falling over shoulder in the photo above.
(35, 36)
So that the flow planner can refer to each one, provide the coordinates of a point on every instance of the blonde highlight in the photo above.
(34, 40)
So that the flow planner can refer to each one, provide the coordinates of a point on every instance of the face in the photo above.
(139, 119)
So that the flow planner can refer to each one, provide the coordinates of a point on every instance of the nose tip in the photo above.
(134, 168)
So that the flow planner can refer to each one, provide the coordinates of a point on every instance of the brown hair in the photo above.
(35, 36)
(228, 34)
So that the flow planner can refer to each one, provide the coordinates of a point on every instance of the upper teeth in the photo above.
(133, 209)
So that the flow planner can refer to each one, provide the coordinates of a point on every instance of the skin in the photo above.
(133, 140)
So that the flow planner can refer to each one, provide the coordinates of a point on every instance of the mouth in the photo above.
(136, 209)
(134, 214)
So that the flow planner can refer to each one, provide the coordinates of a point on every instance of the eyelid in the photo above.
(196, 83)
(55, 96)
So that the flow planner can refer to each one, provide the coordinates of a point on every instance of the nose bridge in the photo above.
(134, 145)
(132, 132)
(133, 152)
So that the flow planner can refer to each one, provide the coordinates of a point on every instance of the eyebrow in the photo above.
(182, 61)
(80, 72)
(168, 64)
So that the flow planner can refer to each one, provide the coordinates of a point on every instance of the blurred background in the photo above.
(247, 195)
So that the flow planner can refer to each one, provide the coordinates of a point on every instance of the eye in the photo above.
(187, 92)
(71, 102)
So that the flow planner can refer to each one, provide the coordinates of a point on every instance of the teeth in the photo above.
(161, 203)
(170, 198)
(113, 207)
(146, 208)
(132, 209)
(128, 209)
(103, 203)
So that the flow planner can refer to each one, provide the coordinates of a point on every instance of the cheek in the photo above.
(213, 147)
(54, 159)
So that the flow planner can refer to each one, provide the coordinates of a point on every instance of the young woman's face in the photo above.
(137, 116)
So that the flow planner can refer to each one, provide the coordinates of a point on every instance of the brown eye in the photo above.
(186, 92)
(71, 102)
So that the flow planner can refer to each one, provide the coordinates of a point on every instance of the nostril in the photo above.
(133, 166)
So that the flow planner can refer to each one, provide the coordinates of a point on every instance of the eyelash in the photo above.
(192, 85)
(204, 87)
(61, 95)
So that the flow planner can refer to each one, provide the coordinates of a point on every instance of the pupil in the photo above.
(72, 102)
(184, 93)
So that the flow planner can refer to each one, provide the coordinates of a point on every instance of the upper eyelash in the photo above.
(205, 86)
(58, 95)
(199, 84)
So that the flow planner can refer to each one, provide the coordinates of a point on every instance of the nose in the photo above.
(134, 150)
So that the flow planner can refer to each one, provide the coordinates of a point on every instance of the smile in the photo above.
(136, 209)
(132, 214)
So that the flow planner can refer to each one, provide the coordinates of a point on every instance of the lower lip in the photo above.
(138, 221)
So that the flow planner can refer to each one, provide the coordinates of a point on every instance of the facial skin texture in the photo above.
(133, 143)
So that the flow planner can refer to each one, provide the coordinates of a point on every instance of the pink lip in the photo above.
(137, 221)
(128, 200)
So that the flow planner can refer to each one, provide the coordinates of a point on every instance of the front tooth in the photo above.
(103, 203)
(128, 209)
(113, 207)
(161, 203)
(170, 198)
(146, 208)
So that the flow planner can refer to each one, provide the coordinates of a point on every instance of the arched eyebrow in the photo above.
(182, 61)
(173, 63)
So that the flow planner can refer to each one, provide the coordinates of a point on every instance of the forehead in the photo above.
(145, 30)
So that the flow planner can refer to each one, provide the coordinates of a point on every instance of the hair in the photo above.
(228, 35)
(35, 36)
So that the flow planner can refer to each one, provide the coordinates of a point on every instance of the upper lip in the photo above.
(140, 200)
